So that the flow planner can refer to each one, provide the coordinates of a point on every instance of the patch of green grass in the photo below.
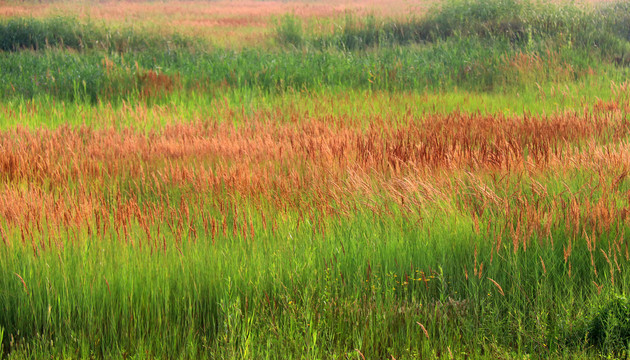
(468, 65)
(524, 24)
(71, 33)
(609, 328)
(361, 107)
(479, 50)
(373, 282)
(293, 294)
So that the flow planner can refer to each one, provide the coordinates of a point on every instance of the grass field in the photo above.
(315, 180)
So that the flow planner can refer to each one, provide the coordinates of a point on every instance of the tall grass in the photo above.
(524, 24)
(476, 46)
(322, 199)
(365, 285)
(469, 64)
(316, 238)
(71, 33)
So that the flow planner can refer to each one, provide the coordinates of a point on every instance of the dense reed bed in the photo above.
(316, 237)
(500, 45)
(451, 184)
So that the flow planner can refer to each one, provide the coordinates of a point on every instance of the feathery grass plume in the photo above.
(424, 330)
(498, 286)
(23, 283)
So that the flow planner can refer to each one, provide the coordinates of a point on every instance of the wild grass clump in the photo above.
(525, 24)
(90, 77)
(289, 31)
(609, 328)
(469, 63)
(71, 33)
(470, 45)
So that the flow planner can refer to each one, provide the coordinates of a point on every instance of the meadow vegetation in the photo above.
(446, 184)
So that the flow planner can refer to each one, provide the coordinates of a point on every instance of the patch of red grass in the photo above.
(77, 177)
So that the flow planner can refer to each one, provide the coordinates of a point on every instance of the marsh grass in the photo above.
(163, 234)
(469, 45)
(296, 296)
(524, 24)
(72, 33)
(468, 65)
(451, 186)
(608, 327)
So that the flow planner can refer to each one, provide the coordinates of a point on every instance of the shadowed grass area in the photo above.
(71, 33)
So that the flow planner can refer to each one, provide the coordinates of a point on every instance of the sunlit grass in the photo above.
(448, 184)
